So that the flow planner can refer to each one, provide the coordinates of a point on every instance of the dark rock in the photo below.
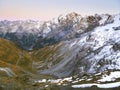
(116, 46)
(116, 28)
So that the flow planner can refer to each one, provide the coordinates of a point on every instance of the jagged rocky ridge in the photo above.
(35, 34)
(74, 46)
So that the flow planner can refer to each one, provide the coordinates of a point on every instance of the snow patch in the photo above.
(112, 77)
(8, 71)
(108, 85)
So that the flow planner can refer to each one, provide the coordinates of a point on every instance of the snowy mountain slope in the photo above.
(34, 34)
(95, 51)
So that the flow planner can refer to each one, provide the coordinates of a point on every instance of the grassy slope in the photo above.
(12, 55)
(16, 69)
(15, 66)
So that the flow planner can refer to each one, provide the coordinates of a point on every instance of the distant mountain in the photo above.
(34, 34)
(69, 50)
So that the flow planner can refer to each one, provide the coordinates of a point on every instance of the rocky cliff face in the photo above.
(81, 48)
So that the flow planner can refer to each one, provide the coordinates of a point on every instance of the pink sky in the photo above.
(48, 9)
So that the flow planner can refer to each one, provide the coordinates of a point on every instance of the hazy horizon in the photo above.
(49, 9)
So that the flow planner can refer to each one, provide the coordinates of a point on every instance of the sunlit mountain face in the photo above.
(71, 52)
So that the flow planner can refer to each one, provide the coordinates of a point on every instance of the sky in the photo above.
(48, 9)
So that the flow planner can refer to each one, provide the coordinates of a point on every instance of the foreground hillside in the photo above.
(15, 64)
(16, 68)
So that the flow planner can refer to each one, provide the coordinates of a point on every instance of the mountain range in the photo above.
(59, 52)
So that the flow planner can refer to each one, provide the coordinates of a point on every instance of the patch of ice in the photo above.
(72, 44)
(112, 77)
(41, 81)
(69, 79)
(107, 85)
(8, 71)
(55, 81)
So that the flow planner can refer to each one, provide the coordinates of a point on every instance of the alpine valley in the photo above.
(71, 52)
